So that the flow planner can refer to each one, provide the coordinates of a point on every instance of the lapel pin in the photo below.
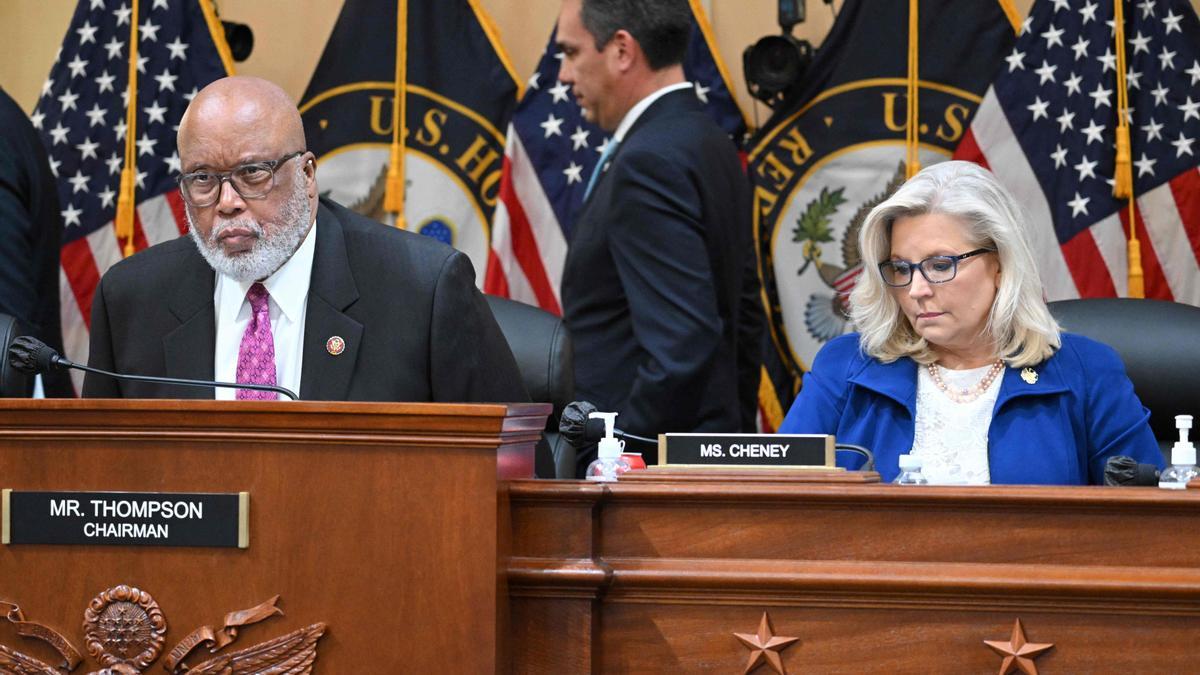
(1029, 375)
(335, 345)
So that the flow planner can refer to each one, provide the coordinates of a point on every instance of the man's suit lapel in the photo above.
(188, 349)
(326, 376)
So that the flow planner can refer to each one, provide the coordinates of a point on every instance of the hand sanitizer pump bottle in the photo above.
(609, 463)
(1183, 458)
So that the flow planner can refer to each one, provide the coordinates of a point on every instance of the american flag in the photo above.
(551, 152)
(1046, 129)
(81, 115)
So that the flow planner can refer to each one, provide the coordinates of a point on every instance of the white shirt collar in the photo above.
(640, 107)
(288, 286)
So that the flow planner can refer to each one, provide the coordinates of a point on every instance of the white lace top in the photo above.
(952, 438)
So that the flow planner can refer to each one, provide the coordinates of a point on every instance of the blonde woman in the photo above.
(957, 359)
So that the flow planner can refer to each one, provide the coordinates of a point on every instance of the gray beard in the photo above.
(269, 252)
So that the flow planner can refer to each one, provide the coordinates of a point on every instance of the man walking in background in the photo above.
(659, 259)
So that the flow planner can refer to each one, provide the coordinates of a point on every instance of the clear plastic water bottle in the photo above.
(1183, 458)
(910, 471)
(608, 463)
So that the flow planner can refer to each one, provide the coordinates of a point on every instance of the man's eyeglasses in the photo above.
(937, 269)
(255, 180)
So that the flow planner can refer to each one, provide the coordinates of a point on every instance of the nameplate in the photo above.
(125, 518)
(747, 450)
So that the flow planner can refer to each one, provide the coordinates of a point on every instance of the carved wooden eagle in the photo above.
(291, 654)
(13, 662)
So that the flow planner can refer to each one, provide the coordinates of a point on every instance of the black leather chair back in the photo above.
(542, 347)
(1159, 342)
(13, 383)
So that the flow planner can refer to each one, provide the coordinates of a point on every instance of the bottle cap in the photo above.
(1183, 423)
(910, 463)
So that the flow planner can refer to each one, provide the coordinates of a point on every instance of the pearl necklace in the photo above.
(966, 395)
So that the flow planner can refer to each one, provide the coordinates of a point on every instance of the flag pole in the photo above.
(1123, 176)
(125, 197)
(393, 198)
(912, 137)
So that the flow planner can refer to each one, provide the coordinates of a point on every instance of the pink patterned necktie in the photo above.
(256, 356)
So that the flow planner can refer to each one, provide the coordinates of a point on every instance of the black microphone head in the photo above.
(1119, 470)
(30, 355)
(1122, 470)
(573, 423)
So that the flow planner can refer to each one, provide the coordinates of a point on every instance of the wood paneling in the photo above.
(385, 521)
(869, 577)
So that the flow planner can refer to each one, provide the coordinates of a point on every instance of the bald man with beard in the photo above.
(277, 286)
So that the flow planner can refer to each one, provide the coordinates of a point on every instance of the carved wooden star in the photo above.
(1017, 652)
(765, 646)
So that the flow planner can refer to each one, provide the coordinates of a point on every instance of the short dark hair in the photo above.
(661, 27)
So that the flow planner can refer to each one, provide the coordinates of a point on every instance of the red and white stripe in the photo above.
(85, 260)
(1094, 263)
(528, 247)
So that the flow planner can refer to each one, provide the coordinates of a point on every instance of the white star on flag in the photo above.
(86, 32)
(79, 182)
(552, 125)
(574, 173)
(178, 48)
(1059, 156)
(1183, 145)
(87, 149)
(1078, 205)
(560, 92)
(579, 138)
(148, 31)
(71, 215)
(1086, 168)
(145, 145)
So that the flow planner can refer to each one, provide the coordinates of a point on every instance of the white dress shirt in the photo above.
(288, 288)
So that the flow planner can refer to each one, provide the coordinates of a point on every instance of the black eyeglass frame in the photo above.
(908, 266)
(271, 165)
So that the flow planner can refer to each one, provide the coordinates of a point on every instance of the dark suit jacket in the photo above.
(652, 287)
(31, 230)
(415, 326)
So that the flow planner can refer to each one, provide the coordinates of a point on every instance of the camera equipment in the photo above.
(777, 62)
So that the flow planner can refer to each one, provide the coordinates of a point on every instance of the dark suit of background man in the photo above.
(659, 254)
(387, 316)
(30, 235)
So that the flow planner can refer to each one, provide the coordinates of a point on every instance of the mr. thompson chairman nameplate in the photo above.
(125, 518)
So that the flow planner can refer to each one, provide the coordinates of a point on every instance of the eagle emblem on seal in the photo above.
(827, 312)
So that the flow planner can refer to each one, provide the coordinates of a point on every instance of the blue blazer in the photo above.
(1059, 430)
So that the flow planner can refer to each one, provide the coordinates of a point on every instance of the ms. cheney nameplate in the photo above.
(747, 450)
(125, 518)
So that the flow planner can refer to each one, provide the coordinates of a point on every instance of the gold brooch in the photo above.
(1029, 375)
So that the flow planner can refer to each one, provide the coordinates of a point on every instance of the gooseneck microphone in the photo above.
(579, 429)
(30, 355)
(1122, 470)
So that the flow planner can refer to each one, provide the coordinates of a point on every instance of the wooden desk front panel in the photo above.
(871, 578)
(389, 535)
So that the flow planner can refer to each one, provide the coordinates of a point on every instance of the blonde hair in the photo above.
(1019, 325)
